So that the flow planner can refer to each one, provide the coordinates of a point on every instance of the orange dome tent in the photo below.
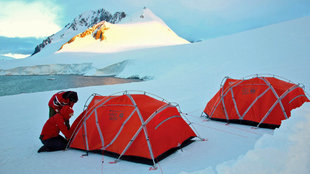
(130, 125)
(259, 101)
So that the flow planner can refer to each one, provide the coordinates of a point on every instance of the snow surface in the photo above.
(189, 75)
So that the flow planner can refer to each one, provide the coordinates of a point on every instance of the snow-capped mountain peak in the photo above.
(146, 15)
(140, 30)
(89, 18)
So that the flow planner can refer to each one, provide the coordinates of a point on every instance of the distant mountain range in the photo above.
(100, 31)
(4, 58)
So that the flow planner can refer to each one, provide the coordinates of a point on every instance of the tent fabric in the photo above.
(259, 101)
(130, 125)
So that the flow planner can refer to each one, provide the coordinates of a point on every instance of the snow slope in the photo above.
(189, 75)
(142, 31)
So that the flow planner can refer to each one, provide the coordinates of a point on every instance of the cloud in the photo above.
(28, 19)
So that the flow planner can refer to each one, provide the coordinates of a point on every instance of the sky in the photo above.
(43, 18)
(29, 19)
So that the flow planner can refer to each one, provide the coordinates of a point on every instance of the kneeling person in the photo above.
(50, 137)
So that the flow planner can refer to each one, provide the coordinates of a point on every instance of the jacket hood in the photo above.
(66, 111)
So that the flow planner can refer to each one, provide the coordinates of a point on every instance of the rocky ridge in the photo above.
(97, 31)
(82, 22)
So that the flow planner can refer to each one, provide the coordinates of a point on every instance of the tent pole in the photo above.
(261, 95)
(235, 104)
(278, 101)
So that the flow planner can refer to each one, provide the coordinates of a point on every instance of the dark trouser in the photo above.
(55, 143)
(53, 112)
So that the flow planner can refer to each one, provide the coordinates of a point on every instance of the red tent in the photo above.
(259, 101)
(134, 125)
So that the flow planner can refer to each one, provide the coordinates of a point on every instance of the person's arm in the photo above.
(63, 128)
(55, 103)
(59, 102)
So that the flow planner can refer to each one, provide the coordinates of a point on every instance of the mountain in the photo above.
(82, 22)
(5, 58)
(99, 31)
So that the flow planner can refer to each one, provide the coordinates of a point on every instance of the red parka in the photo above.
(57, 101)
(55, 124)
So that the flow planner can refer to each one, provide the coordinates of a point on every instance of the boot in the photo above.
(43, 149)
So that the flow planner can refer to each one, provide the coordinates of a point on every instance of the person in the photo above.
(50, 136)
(61, 99)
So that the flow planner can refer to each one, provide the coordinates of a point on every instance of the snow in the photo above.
(188, 74)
